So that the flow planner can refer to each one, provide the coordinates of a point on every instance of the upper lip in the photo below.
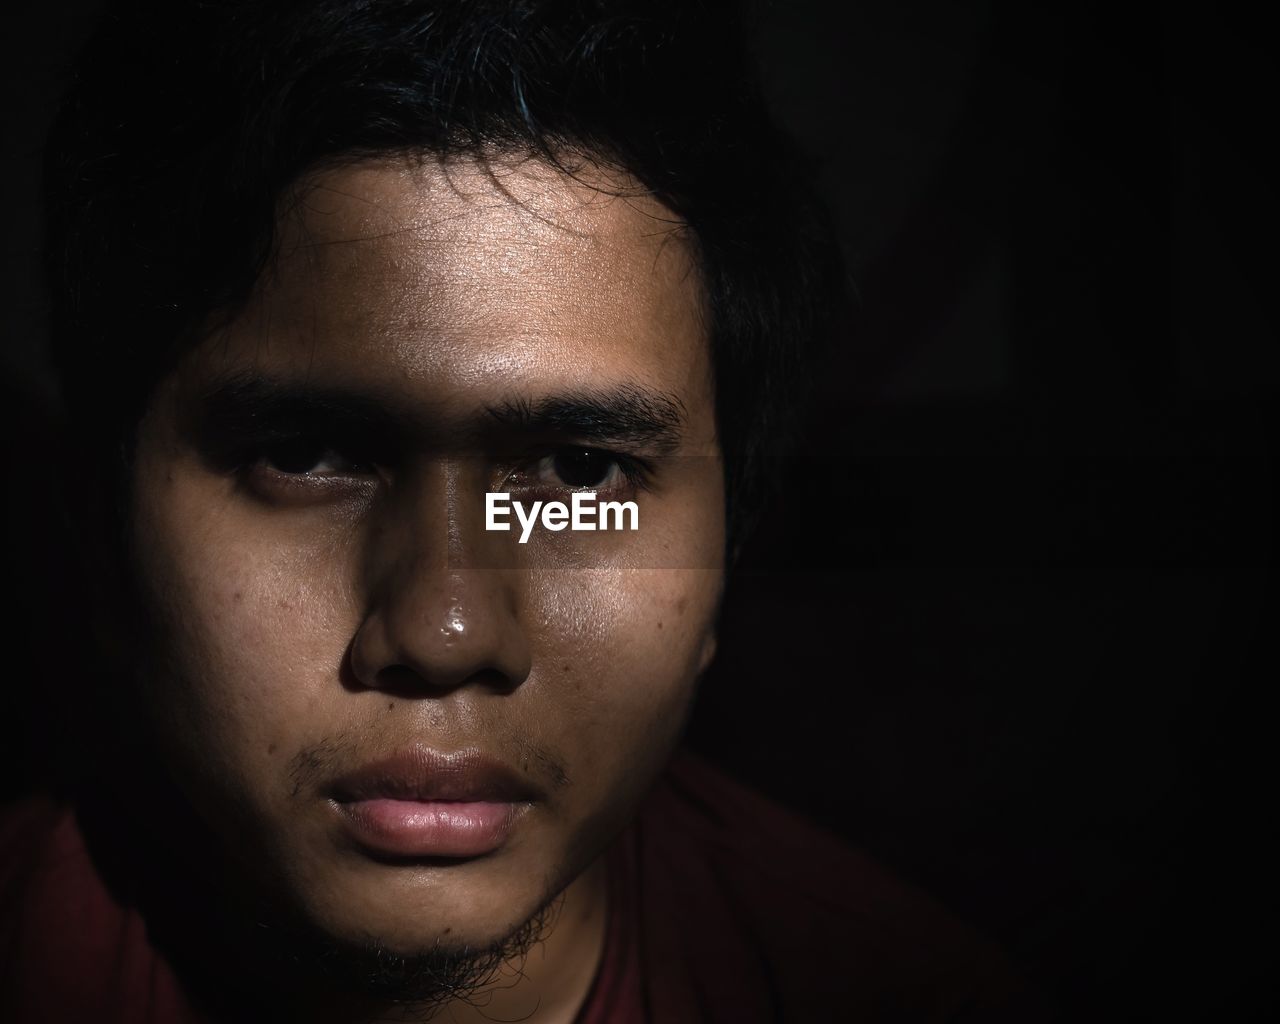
(421, 773)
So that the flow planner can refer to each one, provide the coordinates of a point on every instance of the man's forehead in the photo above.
(480, 204)
(518, 266)
(461, 287)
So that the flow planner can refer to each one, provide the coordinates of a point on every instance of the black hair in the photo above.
(188, 120)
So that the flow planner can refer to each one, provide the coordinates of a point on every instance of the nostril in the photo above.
(404, 681)
(494, 680)
(428, 635)
(401, 680)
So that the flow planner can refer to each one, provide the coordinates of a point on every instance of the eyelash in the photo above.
(255, 467)
(635, 472)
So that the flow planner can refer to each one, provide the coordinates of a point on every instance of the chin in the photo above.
(408, 908)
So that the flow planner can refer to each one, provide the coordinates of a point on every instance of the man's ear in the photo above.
(711, 633)
(708, 654)
(99, 524)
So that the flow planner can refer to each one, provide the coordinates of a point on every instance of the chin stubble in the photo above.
(375, 983)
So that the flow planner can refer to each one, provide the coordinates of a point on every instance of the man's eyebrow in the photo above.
(244, 404)
(241, 403)
(630, 414)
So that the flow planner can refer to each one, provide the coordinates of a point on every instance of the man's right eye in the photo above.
(305, 469)
(304, 456)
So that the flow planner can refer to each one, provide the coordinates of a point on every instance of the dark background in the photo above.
(1024, 659)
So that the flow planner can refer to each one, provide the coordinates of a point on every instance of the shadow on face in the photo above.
(403, 724)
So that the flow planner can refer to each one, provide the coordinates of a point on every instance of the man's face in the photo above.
(404, 726)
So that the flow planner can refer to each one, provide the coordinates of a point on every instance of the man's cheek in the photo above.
(255, 640)
(629, 667)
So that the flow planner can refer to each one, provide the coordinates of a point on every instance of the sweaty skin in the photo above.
(309, 619)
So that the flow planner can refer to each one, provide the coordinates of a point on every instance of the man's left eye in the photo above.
(580, 469)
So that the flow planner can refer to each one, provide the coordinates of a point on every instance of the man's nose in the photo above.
(437, 618)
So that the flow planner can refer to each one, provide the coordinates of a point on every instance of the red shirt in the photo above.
(723, 906)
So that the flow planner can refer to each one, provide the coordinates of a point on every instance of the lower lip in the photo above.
(430, 828)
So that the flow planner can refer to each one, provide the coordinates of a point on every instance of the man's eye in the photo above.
(581, 469)
(307, 457)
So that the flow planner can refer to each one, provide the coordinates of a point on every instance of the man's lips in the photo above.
(426, 803)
